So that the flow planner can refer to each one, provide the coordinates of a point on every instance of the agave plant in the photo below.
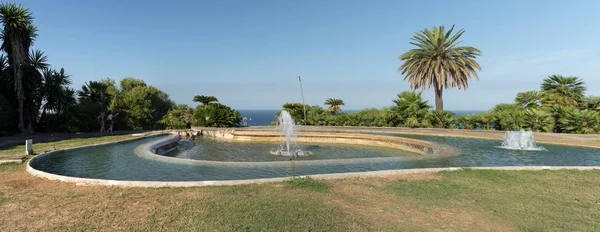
(539, 120)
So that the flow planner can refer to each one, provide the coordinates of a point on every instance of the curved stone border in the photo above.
(408, 144)
(159, 184)
(149, 151)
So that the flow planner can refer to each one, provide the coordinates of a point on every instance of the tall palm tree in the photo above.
(18, 35)
(335, 105)
(529, 99)
(564, 91)
(205, 100)
(439, 62)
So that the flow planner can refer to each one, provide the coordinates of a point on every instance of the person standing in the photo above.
(109, 121)
(101, 118)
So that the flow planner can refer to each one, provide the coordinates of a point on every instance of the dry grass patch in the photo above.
(470, 200)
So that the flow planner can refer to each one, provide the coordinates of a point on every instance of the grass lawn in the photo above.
(48, 146)
(469, 200)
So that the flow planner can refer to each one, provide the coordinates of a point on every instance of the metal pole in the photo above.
(302, 93)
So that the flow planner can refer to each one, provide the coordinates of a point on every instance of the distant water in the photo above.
(265, 117)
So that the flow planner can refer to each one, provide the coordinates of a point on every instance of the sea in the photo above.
(265, 117)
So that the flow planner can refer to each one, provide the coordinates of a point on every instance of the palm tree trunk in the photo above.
(18, 59)
(439, 101)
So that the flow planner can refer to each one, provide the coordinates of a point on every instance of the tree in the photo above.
(216, 115)
(485, 120)
(205, 100)
(581, 121)
(129, 83)
(57, 94)
(143, 106)
(96, 92)
(334, 105)
(439, 62)
(529, 99)
(440, 118)
(18, 35)
(591, 103)
(564, 91)
(411, 107)
(539, 120)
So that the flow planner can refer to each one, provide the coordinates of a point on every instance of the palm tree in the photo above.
(411, 107)
(581, 121)
(529, 99)
(18, 35)
(564, 91)
(334, 105)
(592, 103)
(439, 62)
(539, 120)
(205, 100)
(440, 118)
(33, 84)
(94, 92)
(485, 120)
(57, 94)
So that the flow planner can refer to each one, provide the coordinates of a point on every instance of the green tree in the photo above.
(18, 35)
(485, 120)
(439, 62)
(179, 117)
(581, 122)
(33, 84)
(143, 106)
(411, 107)
(205, 100)
(591, 103)
(539, 120)
(440, 118)
(529, 99)
(509, 117)
(216, 115)
(335, 105)
(129, 83)
(96, 92)
(558, 90)
(57, 94)
(467, 121)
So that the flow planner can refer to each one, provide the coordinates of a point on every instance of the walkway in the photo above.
(49, 137)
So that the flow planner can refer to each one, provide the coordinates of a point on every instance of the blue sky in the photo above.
(247, 53)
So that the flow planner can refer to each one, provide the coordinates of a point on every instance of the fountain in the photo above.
(520, 140)
(286, 125)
